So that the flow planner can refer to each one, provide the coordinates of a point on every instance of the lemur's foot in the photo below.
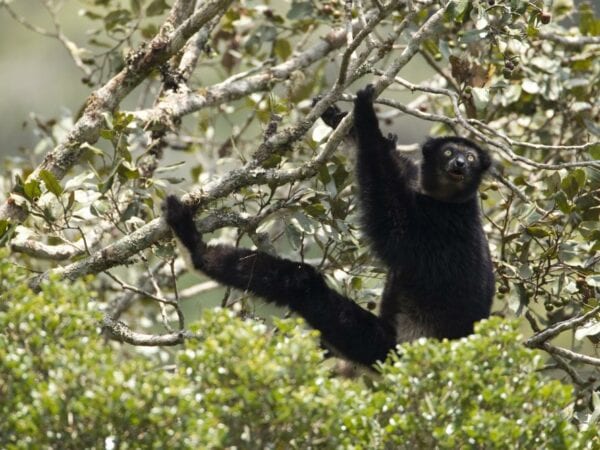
(175, 211)
(180, 218)
(332, 115)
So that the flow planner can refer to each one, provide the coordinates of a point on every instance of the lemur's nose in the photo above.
(459, 162)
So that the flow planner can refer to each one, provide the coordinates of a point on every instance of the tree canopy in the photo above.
(220, 102)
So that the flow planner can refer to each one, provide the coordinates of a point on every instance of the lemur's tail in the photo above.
(351, 330)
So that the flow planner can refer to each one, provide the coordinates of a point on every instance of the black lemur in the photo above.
(423, 222)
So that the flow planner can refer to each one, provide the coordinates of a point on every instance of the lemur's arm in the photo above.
(384, 178)
(351, 330)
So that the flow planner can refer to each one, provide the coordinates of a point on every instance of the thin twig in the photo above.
(556, 329)
(122, 332)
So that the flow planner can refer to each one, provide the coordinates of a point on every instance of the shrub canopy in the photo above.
(234, 383)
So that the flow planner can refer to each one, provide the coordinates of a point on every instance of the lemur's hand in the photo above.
(366, 95)
(365, 120)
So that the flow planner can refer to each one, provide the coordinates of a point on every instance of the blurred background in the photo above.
(37, 76)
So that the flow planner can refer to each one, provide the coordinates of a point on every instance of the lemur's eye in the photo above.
(471, 157)
(448, 152)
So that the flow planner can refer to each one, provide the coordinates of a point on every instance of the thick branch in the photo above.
(181, 10)
(45, 251)
(194, 47)
(177, 105)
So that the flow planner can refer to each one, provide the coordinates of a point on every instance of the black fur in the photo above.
(350, 329)
(424, 224)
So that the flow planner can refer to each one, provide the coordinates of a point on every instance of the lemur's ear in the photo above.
(431, 146)
(485, 161)
(428, 147)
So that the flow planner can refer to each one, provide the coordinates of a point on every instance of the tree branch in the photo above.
(569, 41)
(176, 105)
(539, 338)
(123, 333)
(570, 355)
(44, 251)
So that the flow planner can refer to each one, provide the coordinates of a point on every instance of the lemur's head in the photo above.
(452, 168)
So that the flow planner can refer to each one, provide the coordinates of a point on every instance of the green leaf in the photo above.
(589, 329)
(170, 167)
(196, 171)
(539, 232)
(562, 202)
(316, 210)
(70, 201)
(324, 176)
(458, 9)
(593, 280)
(115, 18)
(294, 235)
(100, 207)
(32, 189)
(580, 177)
(588, 24)
(105, 185)
(109, 135)
(156, 8)
(283, 49)
(300, 10)
(302, 222)
(356, 283)
(128, 171)
(340, 176)
(174, 180)
(573, 182)
(121, 120)
(135, 6)
(149, 31)
(4, 224)
(91, 149)
(51, 183)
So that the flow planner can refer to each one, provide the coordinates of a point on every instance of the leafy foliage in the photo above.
(235, 384)
(519, 76)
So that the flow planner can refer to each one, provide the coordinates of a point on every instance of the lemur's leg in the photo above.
(351, 330)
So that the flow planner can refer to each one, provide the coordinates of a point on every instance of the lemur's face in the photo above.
(452, 168)
(457, 162)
